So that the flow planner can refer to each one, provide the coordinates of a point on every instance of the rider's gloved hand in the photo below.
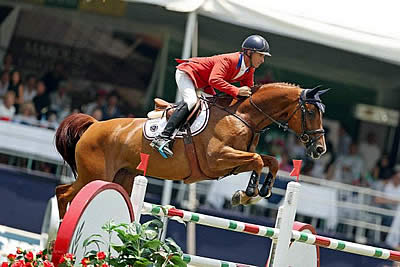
(244, 91)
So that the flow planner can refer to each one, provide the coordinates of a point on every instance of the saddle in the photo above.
(162, 107)
(169, 108)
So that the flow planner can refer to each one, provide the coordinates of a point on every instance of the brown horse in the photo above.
(110, 150)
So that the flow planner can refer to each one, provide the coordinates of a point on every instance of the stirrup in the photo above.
(162, 146)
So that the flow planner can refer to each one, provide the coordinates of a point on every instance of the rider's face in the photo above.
(257, 59)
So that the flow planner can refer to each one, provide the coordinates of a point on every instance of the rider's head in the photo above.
(256, 48)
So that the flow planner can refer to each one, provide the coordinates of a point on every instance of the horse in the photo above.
(110, 150)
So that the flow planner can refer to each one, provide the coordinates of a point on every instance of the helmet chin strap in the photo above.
(251, 61)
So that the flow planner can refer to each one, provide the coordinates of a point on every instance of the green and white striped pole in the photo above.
(207, 220)
(273, 233)
(197, 261)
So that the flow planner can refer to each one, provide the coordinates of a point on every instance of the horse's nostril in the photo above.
(320, 149)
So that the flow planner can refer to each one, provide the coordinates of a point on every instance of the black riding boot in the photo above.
(162, 142)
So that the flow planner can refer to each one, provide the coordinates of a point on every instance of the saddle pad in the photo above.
(153, 127)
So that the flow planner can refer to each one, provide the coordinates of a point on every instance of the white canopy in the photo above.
(364, 27)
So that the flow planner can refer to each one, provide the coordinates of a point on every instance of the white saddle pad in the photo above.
(153, 127)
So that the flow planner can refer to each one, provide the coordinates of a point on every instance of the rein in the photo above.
(304, 136)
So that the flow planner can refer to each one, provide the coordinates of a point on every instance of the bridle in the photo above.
(305, 135)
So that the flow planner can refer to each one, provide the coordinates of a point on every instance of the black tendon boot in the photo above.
(266, 188)
(252, 187)
(162, 142)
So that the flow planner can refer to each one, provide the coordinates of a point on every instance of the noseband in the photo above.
(304, 136)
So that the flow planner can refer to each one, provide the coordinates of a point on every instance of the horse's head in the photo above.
(306, 121)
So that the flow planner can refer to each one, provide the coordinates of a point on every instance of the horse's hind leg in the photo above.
(65, 193)
(125, 178)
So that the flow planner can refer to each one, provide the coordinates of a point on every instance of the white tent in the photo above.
(364, 27)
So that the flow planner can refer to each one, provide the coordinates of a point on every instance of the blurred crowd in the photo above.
(45, 101)
(353, 162)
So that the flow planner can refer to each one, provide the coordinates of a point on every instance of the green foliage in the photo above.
(140, 246)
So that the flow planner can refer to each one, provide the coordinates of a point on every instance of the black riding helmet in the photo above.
(256, 43)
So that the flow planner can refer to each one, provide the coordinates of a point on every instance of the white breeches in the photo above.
(186, 88)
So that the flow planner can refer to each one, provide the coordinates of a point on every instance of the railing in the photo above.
(367, 219)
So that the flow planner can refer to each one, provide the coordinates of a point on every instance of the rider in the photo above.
(207, 73)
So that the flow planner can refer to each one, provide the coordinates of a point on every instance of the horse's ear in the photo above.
(316, 91)
(312, 92)
(321, 92)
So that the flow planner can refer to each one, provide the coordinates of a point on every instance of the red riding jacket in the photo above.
(217, 72)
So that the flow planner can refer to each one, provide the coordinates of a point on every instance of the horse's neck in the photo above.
(277, 103)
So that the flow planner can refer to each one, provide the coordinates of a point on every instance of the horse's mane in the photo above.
(227, 100)
(282, 85)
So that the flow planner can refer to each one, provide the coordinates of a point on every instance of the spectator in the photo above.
(382, 169)
(370, 152)
(343, 142)
(4, 83)
(7, 63)
(322, 165)
(391, 188)
(17, 87)
(41, 101)
(27, 114)
(347, 168)
(60, 100)
(100, 102)
(111, 109)
(52, 78)
(52, 120)
(30, 88)
(97, 114)
(7, 108)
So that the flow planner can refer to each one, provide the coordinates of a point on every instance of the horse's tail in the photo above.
(68, 134)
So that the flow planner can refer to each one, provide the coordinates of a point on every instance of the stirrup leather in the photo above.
(162, 145)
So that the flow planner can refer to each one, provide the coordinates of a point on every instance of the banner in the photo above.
(113, 7)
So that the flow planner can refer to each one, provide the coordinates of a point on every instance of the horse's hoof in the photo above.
(265, 192)
(235, 201)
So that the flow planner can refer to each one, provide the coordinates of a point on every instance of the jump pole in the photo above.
(284, 218)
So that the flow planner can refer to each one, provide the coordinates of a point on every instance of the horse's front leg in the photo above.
(230, 158)
(245, 197)
(273, 165)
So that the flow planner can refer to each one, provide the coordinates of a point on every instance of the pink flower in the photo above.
(29, 256)
(39, 254)
(104, 265)
(101, 255)
(69, 256)
(4, 264)
(28, 264)
(85, 262)
(48, 264)
(11, 257)
(19, 251)
(19, 263)
(62, 260)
